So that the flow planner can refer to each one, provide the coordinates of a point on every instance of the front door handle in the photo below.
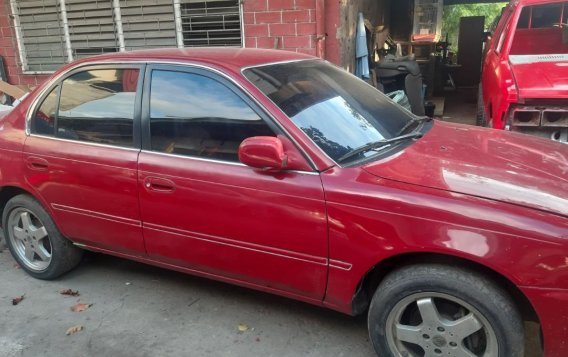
(37, 163)
(159, 184)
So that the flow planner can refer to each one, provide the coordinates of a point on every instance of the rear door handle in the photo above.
(159, 184)
(37, 163)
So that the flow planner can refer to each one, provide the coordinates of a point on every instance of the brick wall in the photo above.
(282, 24)
(9, 51)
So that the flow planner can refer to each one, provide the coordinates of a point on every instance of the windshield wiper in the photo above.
(412, 122)
(378, 144)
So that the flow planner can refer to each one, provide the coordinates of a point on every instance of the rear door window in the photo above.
(98, 106)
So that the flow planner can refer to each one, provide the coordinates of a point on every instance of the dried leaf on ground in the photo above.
(74, 329)
(80, 307)
(70, 292)
(243, 328)
(17, 300)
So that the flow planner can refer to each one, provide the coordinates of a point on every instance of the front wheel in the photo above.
(34, 240)
(434, 310)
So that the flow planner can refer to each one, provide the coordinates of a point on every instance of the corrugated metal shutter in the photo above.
(42, 34)
(148, 23)
(145, 23)
(211, 23)
(91, 27)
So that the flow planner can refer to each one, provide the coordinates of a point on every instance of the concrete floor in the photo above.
(460, 106)
(139, 310)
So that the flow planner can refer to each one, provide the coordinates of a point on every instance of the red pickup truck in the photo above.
(525, 72)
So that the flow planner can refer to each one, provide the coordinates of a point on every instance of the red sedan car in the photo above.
(283, 173)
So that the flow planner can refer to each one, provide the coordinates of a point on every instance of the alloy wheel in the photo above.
(29, 239)
(435, 325)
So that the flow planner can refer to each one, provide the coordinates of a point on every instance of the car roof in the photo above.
(221, 57)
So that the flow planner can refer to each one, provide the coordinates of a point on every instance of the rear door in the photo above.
(81, 156)
(204, 210)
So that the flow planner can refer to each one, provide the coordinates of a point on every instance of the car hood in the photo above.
(492, 164)
(541, 76)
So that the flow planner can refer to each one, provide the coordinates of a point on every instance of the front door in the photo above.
(204, 210)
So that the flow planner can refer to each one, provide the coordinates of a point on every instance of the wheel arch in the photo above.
(372, 279)
(8, 192)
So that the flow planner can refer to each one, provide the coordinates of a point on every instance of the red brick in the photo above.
(308, 28)
(298, 42)
(7, 32)
(29, 80)
(256, 30)
(265, 42)
(282, 29)
(10, 61)
(250, 42)
(308, 51)
(305, 4)
(268, 17)
(295, 16)
(312, 15)
(6, 42)
(5, 21)
(13, 78)
(248, 18)
(13, 70)
(255, 5)
(280, 4)
(7, 52)
(41, 78)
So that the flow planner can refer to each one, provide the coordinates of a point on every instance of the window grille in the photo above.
(211, 23)
(47, 28)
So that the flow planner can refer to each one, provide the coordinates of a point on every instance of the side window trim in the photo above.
(145, 115)
(146, 137)
(137, 141)
(203, 72)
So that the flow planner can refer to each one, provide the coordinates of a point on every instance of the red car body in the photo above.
(525, 71)
(492, 201)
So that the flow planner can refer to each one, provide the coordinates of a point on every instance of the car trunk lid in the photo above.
(541, 76)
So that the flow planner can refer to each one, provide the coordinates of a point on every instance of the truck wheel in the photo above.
(34, 240)
(481, 117)
(435, 310)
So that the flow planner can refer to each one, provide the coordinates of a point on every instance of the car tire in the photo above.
(481, 116)
(436, 310)
(34, 240)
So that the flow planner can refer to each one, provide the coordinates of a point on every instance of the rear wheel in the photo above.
(35, 242)
(434, 310)
(481, 117)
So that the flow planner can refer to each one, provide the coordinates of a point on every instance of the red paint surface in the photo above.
(493, 198)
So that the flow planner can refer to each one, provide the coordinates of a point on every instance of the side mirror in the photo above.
(263, 152)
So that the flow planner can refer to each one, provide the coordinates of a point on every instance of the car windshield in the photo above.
(338, 111)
